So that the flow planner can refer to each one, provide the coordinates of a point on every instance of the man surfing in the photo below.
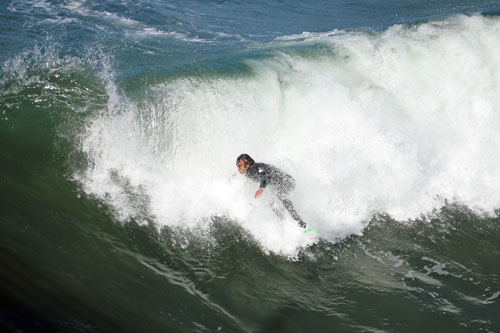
(280, 183)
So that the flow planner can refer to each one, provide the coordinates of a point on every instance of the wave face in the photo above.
(121, 208)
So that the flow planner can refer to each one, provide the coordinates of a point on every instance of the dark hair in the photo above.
(246, 158)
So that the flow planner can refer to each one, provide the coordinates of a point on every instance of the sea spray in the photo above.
(394, 123)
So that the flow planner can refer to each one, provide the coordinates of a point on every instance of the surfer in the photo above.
(280, 183)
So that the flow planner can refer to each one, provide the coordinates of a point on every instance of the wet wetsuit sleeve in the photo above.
(263, 177)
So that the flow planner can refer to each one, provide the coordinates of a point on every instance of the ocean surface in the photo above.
(121, 209)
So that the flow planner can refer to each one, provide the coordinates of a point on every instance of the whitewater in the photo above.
(399, 122)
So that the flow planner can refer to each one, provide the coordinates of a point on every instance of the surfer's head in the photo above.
(243, 162)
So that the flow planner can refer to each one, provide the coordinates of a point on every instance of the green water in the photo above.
(68, 265)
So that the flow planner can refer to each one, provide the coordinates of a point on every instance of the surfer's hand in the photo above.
(258, 193)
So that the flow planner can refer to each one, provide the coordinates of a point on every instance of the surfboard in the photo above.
(311, 231)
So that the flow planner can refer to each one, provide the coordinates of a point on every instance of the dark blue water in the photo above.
(121, 208)
(151, 34)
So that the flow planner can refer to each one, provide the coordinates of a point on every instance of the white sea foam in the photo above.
(392, 123)
(28, 6)
(60, 20)
(81, 8)
(309, 36)
(154, 32)
(130, 26)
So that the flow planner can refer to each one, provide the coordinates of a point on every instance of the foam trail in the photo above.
(394, 123)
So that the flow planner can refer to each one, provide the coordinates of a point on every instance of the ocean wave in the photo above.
(397, 123)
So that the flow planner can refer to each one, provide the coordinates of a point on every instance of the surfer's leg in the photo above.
(289, 206)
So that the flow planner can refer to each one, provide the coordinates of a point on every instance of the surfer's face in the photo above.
(242, 166)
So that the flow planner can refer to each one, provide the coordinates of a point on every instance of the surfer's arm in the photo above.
(263, 183)
(258, 193)
(263, 179)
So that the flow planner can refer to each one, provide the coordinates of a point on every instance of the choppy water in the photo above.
(121, 208)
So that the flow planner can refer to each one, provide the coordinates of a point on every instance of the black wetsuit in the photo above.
(279, 182)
